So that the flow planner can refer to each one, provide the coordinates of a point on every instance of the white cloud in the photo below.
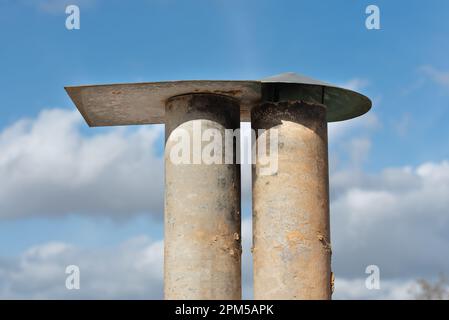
(389, 290)
(342, 129)
(437, 76)
(397, 219)
(355, 84)
(47, 167)
(131, 270)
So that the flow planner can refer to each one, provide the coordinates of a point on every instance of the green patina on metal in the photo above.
(342, 104)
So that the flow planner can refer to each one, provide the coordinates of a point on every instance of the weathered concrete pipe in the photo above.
(202, 203)
(291, 236)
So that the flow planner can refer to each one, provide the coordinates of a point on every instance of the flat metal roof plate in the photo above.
(144, 103)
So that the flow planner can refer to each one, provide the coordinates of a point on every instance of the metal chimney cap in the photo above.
(342, 104)
(291, 77)
(144, 103)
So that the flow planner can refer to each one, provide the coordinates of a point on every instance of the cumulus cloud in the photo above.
(348, 289)
(59, 169)
(48, 167)
(397, 219)
(133, 270)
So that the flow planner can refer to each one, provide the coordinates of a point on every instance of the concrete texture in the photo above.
(291, 237)
(202, 207)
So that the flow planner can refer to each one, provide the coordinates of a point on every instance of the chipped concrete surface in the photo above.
(291, 235)
(202, 208)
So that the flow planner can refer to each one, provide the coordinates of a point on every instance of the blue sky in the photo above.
(403, 67)
(162, 40)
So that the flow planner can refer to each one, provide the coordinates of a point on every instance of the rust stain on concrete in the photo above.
(291, 207)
